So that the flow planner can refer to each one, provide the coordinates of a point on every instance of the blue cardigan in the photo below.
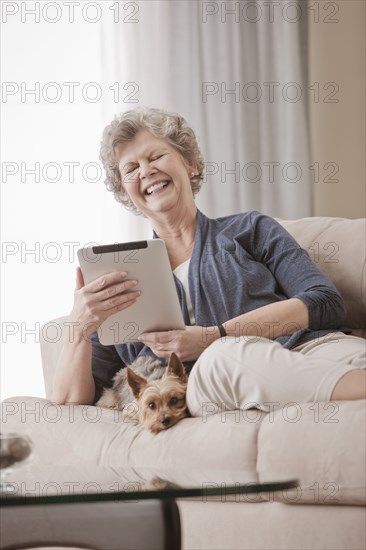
(239, 263)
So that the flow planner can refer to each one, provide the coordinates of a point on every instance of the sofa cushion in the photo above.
(321, 444)
(93, 435)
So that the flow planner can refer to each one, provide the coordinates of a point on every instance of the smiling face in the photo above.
(155, 176)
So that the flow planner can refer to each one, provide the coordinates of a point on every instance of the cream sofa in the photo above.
(321, 444)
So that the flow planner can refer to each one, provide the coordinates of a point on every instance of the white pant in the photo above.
(251, 372)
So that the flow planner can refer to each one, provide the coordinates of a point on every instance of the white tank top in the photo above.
(181, 271)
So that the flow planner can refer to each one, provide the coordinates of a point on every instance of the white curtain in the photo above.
(53, 200)
(237, 72)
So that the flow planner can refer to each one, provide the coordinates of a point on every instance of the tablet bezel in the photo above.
(156, 309)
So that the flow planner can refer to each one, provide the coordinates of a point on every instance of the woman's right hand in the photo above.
(96, 301)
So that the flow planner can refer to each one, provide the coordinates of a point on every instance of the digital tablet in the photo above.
(156, 309)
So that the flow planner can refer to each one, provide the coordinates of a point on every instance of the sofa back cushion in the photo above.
(338, 247)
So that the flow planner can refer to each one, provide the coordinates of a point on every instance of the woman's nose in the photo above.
(146, 169)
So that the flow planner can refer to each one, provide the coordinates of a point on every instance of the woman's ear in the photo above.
(192, 170)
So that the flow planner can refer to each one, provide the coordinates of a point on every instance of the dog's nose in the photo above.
(165, 421)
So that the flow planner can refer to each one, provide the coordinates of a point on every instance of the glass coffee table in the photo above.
(102, 507)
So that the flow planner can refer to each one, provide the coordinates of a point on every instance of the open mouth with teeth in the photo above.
(157, 187)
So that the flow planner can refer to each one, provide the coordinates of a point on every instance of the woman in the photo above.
(242, 275)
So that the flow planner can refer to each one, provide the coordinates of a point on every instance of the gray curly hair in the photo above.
(124, 127)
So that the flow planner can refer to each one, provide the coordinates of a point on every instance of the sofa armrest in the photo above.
(52, 337)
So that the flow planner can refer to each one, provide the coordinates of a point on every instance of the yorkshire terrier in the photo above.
(159, 392)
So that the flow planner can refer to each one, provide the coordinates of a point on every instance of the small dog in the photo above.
(159, 392)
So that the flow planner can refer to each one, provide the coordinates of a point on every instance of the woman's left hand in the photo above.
(188, 344)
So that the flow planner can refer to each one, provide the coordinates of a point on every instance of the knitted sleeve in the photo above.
(295, 272)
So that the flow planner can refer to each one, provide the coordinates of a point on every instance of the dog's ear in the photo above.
(176, 368)
(136, 382)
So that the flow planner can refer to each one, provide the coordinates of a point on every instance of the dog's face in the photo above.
(162, 403)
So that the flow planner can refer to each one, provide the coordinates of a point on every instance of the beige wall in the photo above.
(337, 54)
